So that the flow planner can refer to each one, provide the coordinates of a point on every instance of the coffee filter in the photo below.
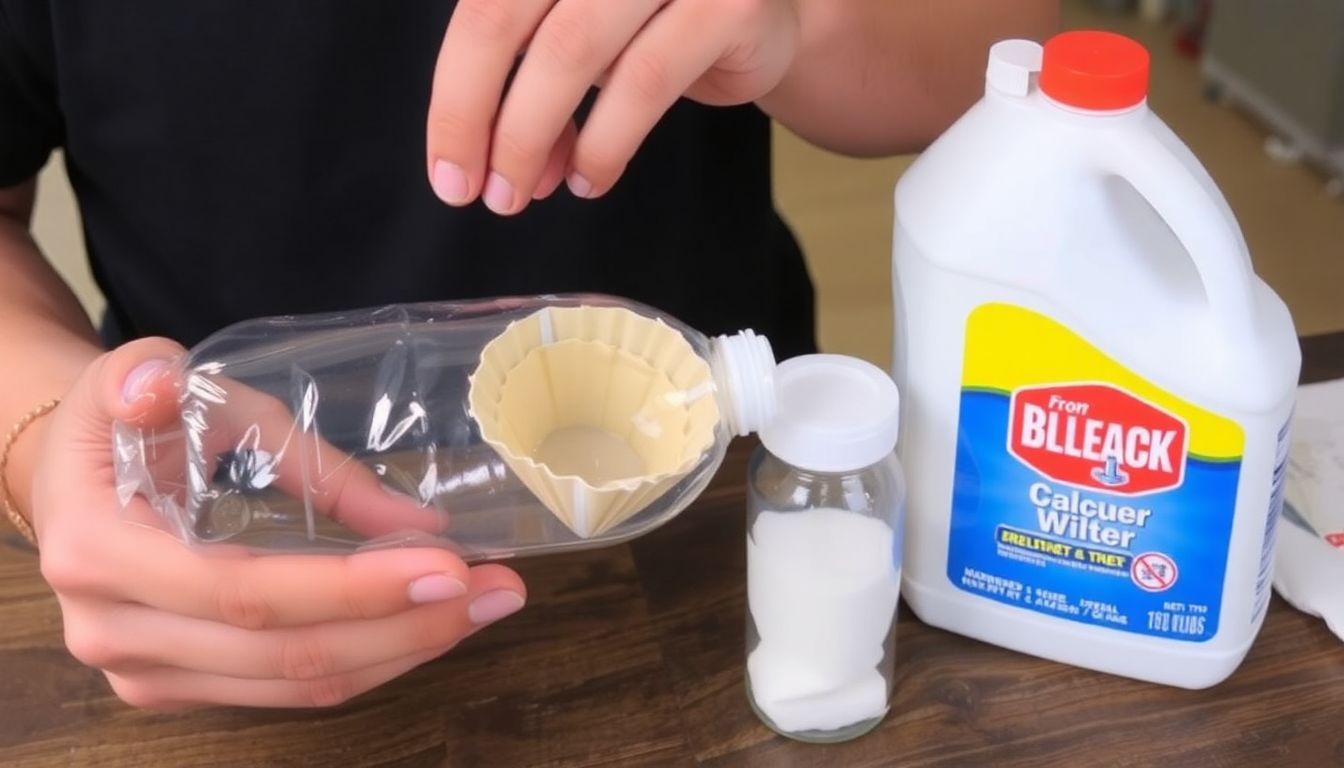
(597, 410)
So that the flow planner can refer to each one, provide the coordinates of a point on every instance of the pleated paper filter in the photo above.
(598, 410)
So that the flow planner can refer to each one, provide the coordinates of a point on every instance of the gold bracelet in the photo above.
(15, 516)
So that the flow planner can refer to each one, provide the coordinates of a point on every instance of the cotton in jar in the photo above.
(826, 506)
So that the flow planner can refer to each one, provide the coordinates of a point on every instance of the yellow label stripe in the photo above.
(1008, 347)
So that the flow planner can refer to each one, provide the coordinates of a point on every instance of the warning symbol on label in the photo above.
(1153, 571)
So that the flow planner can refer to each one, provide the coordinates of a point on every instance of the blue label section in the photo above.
(1151, 564)
(1264, 577)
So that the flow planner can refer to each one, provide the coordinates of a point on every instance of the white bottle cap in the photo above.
(836, 414)
(744, 372)
(1011, 65)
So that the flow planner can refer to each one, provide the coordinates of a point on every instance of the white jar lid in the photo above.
(834, 414)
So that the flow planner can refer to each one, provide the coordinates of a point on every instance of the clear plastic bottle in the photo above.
(825, 510)
(496, 428)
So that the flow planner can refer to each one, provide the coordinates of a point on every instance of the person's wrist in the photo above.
(57, 372)
(18, 458)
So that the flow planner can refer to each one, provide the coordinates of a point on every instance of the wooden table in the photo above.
(633, 656)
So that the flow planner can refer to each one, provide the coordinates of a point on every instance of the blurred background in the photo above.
(1255, 88)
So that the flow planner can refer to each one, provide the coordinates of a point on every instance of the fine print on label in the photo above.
(1082, 490)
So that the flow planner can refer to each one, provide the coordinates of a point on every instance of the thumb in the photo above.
(136, 384)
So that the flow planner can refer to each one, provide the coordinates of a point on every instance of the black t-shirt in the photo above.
(238, 159)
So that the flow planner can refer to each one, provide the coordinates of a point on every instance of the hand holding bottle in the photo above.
(172, 625)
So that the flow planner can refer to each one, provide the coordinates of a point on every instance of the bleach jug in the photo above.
(1098, 387)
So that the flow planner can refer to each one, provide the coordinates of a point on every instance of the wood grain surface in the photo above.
(633, 656)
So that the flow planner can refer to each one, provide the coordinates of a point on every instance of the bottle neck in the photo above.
(744, 376)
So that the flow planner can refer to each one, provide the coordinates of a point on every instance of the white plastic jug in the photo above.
(1097, 385)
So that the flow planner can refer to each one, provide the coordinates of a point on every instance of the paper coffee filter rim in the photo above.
(649, 341)
(690, 454)
(518, 461)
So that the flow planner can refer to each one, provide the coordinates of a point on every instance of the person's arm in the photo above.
(877, 77)
(46, 340)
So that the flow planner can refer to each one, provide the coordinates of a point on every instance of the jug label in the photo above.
(1082, 490)
(1277, 488)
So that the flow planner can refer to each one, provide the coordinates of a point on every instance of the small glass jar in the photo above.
(826, 501)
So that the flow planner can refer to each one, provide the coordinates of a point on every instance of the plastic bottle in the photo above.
(826, 501)
(1097, 385)
(496, 428)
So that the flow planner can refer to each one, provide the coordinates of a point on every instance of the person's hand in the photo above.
(645, 54)
(172, 626)
(280, 451)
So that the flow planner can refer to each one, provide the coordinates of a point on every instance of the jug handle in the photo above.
(1196, 213)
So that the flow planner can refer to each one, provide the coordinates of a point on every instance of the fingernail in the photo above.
(435, 588)
(493, 606)
(580, 186)
(450, 183)
(140, 375)
(498, 194)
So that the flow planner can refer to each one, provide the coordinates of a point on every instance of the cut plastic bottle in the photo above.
(497, 428)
